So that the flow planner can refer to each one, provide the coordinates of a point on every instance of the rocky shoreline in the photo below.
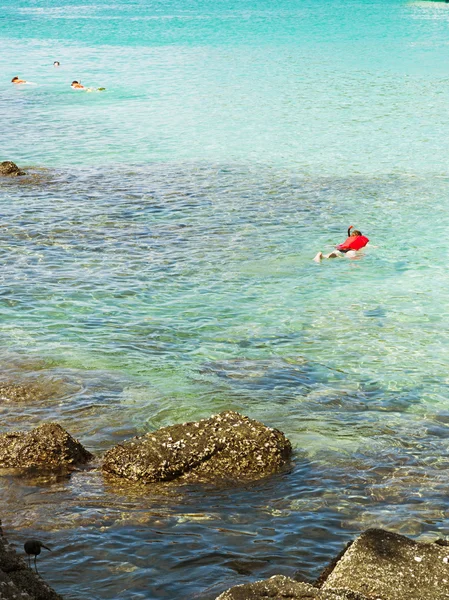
(378, 565)
(231, 448)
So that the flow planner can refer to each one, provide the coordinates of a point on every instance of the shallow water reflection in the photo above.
(138, 298)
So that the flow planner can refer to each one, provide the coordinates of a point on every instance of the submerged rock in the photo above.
(18, 581)
(389, 566)
(23, 392)
(10, 169)
(378, 565)
(48, 446)
(261, 374)
(225, 447)
(284, 587)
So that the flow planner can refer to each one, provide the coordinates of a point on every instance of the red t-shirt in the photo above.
(354, 243)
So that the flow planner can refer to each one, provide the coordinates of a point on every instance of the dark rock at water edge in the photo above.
(386, 565)
(18, 581)
(378, 565)
(10, 169)
(48, 447)
(227, 447)
(278, 587)
(32, 177)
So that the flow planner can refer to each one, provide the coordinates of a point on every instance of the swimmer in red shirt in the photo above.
(355, 241)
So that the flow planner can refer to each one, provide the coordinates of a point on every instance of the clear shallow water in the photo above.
(158, 269)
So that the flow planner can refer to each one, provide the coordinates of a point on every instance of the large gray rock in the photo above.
(389, 566)
(10, 169)
(17, 581)
(48, 446)
(280, 587)
(225, 447)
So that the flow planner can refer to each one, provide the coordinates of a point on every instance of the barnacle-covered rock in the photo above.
(378, 565)
(48, 446)
(386, 565)
(225, 447)
(280, 586)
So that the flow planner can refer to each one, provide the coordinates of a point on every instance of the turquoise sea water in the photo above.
(157, 268)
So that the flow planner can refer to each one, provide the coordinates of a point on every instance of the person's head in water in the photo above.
(17, 80)
(353, 232)
(76, 84)
(56, 63)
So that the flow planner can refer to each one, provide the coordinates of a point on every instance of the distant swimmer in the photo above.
(76, 85)
(18, 81)
(56, 63)
(354, 242)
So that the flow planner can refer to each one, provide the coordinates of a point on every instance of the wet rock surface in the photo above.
(285, 587)
(18, 581)
(225, 447)
(48, 446)
(11, 176)
(23, 392)
(389, 566)
(10, 169)
(378, 565)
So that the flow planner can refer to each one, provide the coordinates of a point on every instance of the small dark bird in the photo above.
(33, 548)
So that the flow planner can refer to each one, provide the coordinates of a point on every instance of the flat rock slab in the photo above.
(225, 447)
(17, 581)
(388, 566)
(280, 588)
(48, 446)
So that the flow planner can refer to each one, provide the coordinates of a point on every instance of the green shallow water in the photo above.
(157, 268)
